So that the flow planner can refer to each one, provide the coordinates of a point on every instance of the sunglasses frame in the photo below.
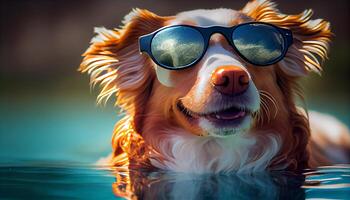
(145, 41)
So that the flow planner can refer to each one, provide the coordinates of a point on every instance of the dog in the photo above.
(202, 118)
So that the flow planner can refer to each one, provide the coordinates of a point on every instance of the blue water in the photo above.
(47, 151)
(61, 181)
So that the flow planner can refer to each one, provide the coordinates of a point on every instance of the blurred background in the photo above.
(47, 109)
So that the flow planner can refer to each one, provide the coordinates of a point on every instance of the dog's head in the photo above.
(220, 95)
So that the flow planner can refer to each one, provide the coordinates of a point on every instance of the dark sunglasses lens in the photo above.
(177, 47)
(260, 44)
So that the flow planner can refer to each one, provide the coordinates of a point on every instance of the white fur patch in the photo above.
(212, 17)
(163, 76)
(242, 153)
(215, 57)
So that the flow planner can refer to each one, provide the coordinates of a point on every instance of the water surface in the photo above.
(40, 180)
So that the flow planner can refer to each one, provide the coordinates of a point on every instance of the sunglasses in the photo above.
(182, 46)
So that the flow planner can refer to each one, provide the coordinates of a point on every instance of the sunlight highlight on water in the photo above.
(328, 182)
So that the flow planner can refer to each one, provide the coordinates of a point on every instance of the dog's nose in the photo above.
(230, 80)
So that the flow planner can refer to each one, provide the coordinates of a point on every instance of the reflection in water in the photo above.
(61, 181)
(167, 185)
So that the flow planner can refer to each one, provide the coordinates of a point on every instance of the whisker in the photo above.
(266, 109)
(269, 97)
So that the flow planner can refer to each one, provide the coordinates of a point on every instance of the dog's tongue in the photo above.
(228, 114)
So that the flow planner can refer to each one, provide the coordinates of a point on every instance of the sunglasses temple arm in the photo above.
(144, 43)
(289, 37)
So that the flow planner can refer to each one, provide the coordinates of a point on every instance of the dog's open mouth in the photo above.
(229, 116)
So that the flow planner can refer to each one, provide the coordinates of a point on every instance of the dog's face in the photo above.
(220, 95)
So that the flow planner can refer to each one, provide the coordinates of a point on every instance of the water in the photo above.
(61, 181)
(54, 182)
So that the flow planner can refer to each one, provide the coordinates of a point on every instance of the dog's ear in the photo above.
(311, 38)
(113, 60)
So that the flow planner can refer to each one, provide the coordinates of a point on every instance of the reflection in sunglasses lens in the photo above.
(259, 43)
(177, 47)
